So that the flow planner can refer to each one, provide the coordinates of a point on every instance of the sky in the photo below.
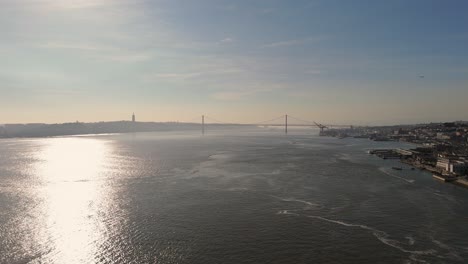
(336, 62)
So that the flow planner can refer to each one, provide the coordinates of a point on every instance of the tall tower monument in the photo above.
(133, 117)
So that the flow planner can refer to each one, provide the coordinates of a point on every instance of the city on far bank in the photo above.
(441, 148)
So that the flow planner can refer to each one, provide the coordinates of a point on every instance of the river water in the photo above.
(226, 197)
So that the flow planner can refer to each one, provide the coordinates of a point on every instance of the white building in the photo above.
(443, 163)
(458, 167)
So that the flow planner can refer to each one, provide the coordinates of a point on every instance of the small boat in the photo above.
(397, 168)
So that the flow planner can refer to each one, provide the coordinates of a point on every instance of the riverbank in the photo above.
(461, 182)
(436, 172)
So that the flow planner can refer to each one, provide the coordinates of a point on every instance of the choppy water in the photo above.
(221, 198)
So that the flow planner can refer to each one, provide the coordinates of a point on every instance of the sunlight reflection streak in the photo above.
(70, 169)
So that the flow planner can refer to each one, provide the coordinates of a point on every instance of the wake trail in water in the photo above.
(395, 176)
(295, 200)
(380, 235)
(452, 253)
(441, 195)
(410, 240)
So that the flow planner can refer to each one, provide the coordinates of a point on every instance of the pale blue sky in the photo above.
(239, 61)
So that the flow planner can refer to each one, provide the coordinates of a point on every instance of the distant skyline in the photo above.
(343, 62)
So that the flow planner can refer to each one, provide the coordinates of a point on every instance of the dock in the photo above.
(444, 178)
(385, 153)
(461, 182)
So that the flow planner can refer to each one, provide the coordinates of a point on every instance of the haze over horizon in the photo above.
(359, 62)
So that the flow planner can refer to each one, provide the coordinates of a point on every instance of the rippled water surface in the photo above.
(222, 198)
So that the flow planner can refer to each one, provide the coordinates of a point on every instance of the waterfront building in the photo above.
(443, 163)
(459, 167)
(443, 136)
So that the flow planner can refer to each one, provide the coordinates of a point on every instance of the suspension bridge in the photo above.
(284, 121)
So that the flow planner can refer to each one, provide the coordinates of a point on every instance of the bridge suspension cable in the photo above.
(253, 123)
(266, 121)
(192, 120)
(217, 121)
(302, 120)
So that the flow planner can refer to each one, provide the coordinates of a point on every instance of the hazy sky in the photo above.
(331, 61)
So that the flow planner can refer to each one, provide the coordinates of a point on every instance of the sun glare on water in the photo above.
(74, 196)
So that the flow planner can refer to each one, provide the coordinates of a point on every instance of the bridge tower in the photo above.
(203, 124)
(286, 124)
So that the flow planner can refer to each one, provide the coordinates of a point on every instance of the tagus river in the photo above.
(222, 198)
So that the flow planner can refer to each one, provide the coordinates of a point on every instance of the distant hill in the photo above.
(77, 128)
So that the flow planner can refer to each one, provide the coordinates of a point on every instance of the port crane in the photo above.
(322, 127)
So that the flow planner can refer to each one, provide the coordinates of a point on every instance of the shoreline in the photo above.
(461, 181)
